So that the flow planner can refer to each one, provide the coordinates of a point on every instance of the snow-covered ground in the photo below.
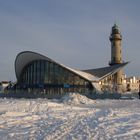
(74, 117)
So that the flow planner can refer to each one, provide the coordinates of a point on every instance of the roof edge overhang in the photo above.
(114, 71)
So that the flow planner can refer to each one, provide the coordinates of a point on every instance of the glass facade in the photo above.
(42, 74)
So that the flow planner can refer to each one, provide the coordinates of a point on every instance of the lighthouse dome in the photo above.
(115, 29)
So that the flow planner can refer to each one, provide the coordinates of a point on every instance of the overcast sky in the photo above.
(72, 32)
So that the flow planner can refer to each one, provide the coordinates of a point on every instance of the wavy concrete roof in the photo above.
(92, 75)
(26, 57)
(103, 72)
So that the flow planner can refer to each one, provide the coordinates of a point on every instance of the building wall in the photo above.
(131, 84)
(4, 85)
(107, 84)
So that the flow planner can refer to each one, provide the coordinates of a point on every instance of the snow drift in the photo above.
(76, 99)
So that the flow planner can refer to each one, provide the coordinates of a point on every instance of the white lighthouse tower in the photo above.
(116, 55)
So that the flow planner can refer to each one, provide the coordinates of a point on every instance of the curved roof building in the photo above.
(36, 71)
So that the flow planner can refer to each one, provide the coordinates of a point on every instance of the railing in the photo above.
(113, 63)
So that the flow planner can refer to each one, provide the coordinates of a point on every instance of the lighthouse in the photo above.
(116, 55)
